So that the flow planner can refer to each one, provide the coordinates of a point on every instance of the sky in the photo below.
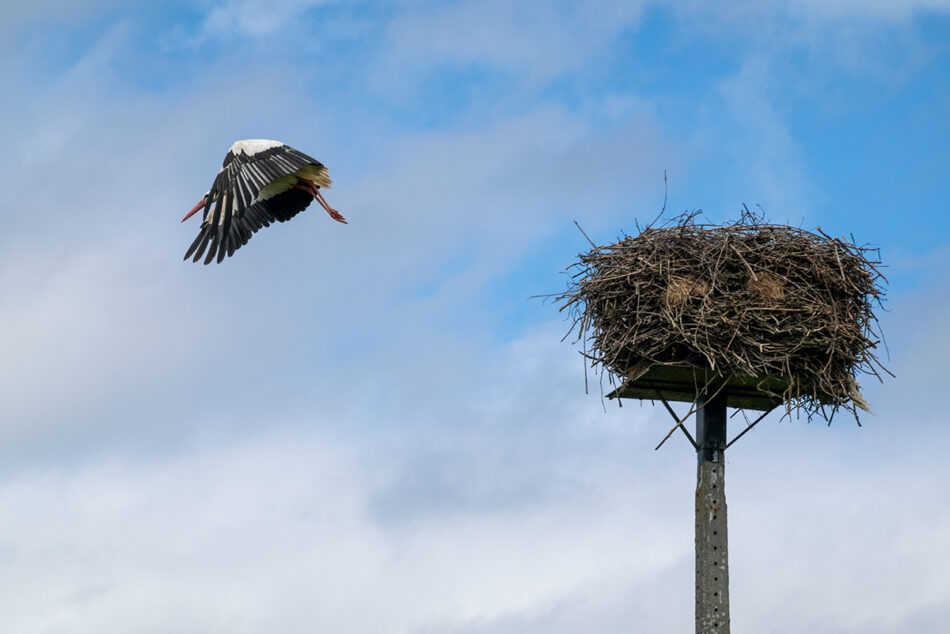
(377, 427)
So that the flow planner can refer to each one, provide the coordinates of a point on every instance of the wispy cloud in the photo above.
(255, 18)
(540, 42)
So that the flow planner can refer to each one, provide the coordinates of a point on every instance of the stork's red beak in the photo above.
(194, 210)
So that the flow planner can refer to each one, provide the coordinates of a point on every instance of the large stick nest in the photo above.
(746, 299)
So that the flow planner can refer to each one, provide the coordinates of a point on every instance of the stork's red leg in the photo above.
(336, 215)
(311, 188)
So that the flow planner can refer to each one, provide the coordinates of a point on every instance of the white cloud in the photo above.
(758, 140)
(16, 13)
(540, 41)
(879, 9)
(548, 515)
(814, 11)
(255, 18)
(283, 530)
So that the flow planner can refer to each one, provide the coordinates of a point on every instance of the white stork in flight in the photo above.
(261, 181)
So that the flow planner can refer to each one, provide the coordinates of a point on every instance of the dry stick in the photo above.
(585, 235)
(666, 192)
(679, 423)
(751, 272)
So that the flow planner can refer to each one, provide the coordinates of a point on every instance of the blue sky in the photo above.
(372, 427)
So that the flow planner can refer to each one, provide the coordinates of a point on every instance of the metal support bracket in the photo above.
(679, 422)
(753, 424)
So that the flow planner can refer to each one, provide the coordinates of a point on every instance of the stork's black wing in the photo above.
(281, 208)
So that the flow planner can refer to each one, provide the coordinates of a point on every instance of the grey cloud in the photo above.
(543, 514)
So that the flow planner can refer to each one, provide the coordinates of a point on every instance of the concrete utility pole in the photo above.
(712, 555)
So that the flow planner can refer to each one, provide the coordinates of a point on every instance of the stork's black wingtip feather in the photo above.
(194, 245)
(212, 251)
(200, 244)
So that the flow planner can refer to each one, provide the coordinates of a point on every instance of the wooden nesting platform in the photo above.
(681, 383)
